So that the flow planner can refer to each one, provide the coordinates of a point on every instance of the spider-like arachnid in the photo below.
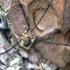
(27, 37)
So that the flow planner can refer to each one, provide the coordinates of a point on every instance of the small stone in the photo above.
(24, 26)
(23, 53)
(32, 66)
